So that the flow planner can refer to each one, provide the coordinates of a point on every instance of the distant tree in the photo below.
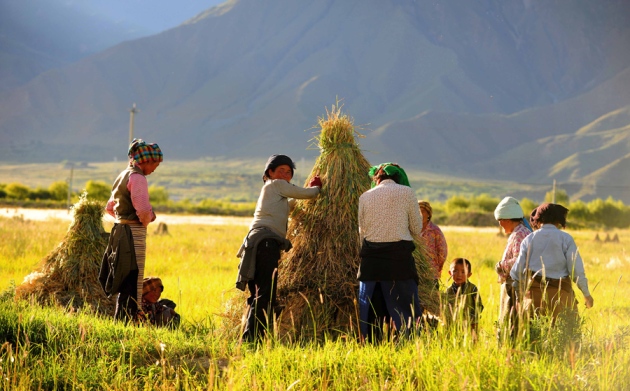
(17, 191)
(59, 190)
(579, 211)
(3, 193)
(439, 212)
(562, 197)
(39, 194)
(610, 213)
(158, 194)
(527, 205)
(484, 202)
(97, 190)
(456, 203)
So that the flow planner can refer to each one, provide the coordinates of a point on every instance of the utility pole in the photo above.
(553, 193)
(70, 185)
(131, 114)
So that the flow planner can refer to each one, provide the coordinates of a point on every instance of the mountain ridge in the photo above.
(453, 88)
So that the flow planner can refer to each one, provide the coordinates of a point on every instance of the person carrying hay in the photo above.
(389, 220)
(260, 251)
(122, 269)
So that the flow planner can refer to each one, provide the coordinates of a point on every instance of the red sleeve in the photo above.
(442, 248)
(109, 208)
(139, 190)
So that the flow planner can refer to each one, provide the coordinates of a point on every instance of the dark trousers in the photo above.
(378, 315)
(126, 304)
(262, 290)
(508, 322)
(392, 303)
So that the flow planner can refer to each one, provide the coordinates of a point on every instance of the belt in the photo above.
(128, 222)
(564, 282)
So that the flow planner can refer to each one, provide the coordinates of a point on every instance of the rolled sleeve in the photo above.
(139, 190)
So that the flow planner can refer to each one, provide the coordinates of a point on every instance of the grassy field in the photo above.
(239, 180)
(47, 348)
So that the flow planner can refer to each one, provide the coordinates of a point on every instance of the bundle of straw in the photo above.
(429, 295)
(317, 281)
(68, 275)
(318, 277)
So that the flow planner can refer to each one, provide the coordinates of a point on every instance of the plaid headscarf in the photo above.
(151, 283)
(141, 152)
(390, 169)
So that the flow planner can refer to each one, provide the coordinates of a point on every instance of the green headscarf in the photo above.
(390, 169)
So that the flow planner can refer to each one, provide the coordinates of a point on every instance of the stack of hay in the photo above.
(318, 277)
(68, 276)
(429, 295)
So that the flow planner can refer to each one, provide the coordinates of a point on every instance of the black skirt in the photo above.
(389, 261)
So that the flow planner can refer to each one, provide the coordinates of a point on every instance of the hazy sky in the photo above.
(69, 29)
(153, 15)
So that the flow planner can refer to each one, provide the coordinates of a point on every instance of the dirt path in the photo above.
(62, 214)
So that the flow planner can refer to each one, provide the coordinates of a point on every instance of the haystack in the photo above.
(318, 277)
(68, 276)
(430, 297)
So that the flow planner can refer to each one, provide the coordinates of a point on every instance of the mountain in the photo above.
(530, 144)
(520, 90)
(38, 35)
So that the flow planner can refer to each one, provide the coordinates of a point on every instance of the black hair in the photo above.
(274, 162)
(462, 261)
(547, 213)
(382, 175)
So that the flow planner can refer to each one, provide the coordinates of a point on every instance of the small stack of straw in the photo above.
(429, 295)
(68, 276)
(317, 279)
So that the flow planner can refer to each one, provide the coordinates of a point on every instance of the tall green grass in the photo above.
(50, 348)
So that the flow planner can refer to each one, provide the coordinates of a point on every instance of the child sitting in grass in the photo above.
(158, 312)
(463, 296)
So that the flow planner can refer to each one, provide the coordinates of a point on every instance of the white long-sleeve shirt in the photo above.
(389, 213)
(554, 254)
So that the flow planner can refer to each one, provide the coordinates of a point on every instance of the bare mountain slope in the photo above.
(592, 162)
(452, 88)
(524, 145)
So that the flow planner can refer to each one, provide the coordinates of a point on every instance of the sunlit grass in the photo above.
(47, 348)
